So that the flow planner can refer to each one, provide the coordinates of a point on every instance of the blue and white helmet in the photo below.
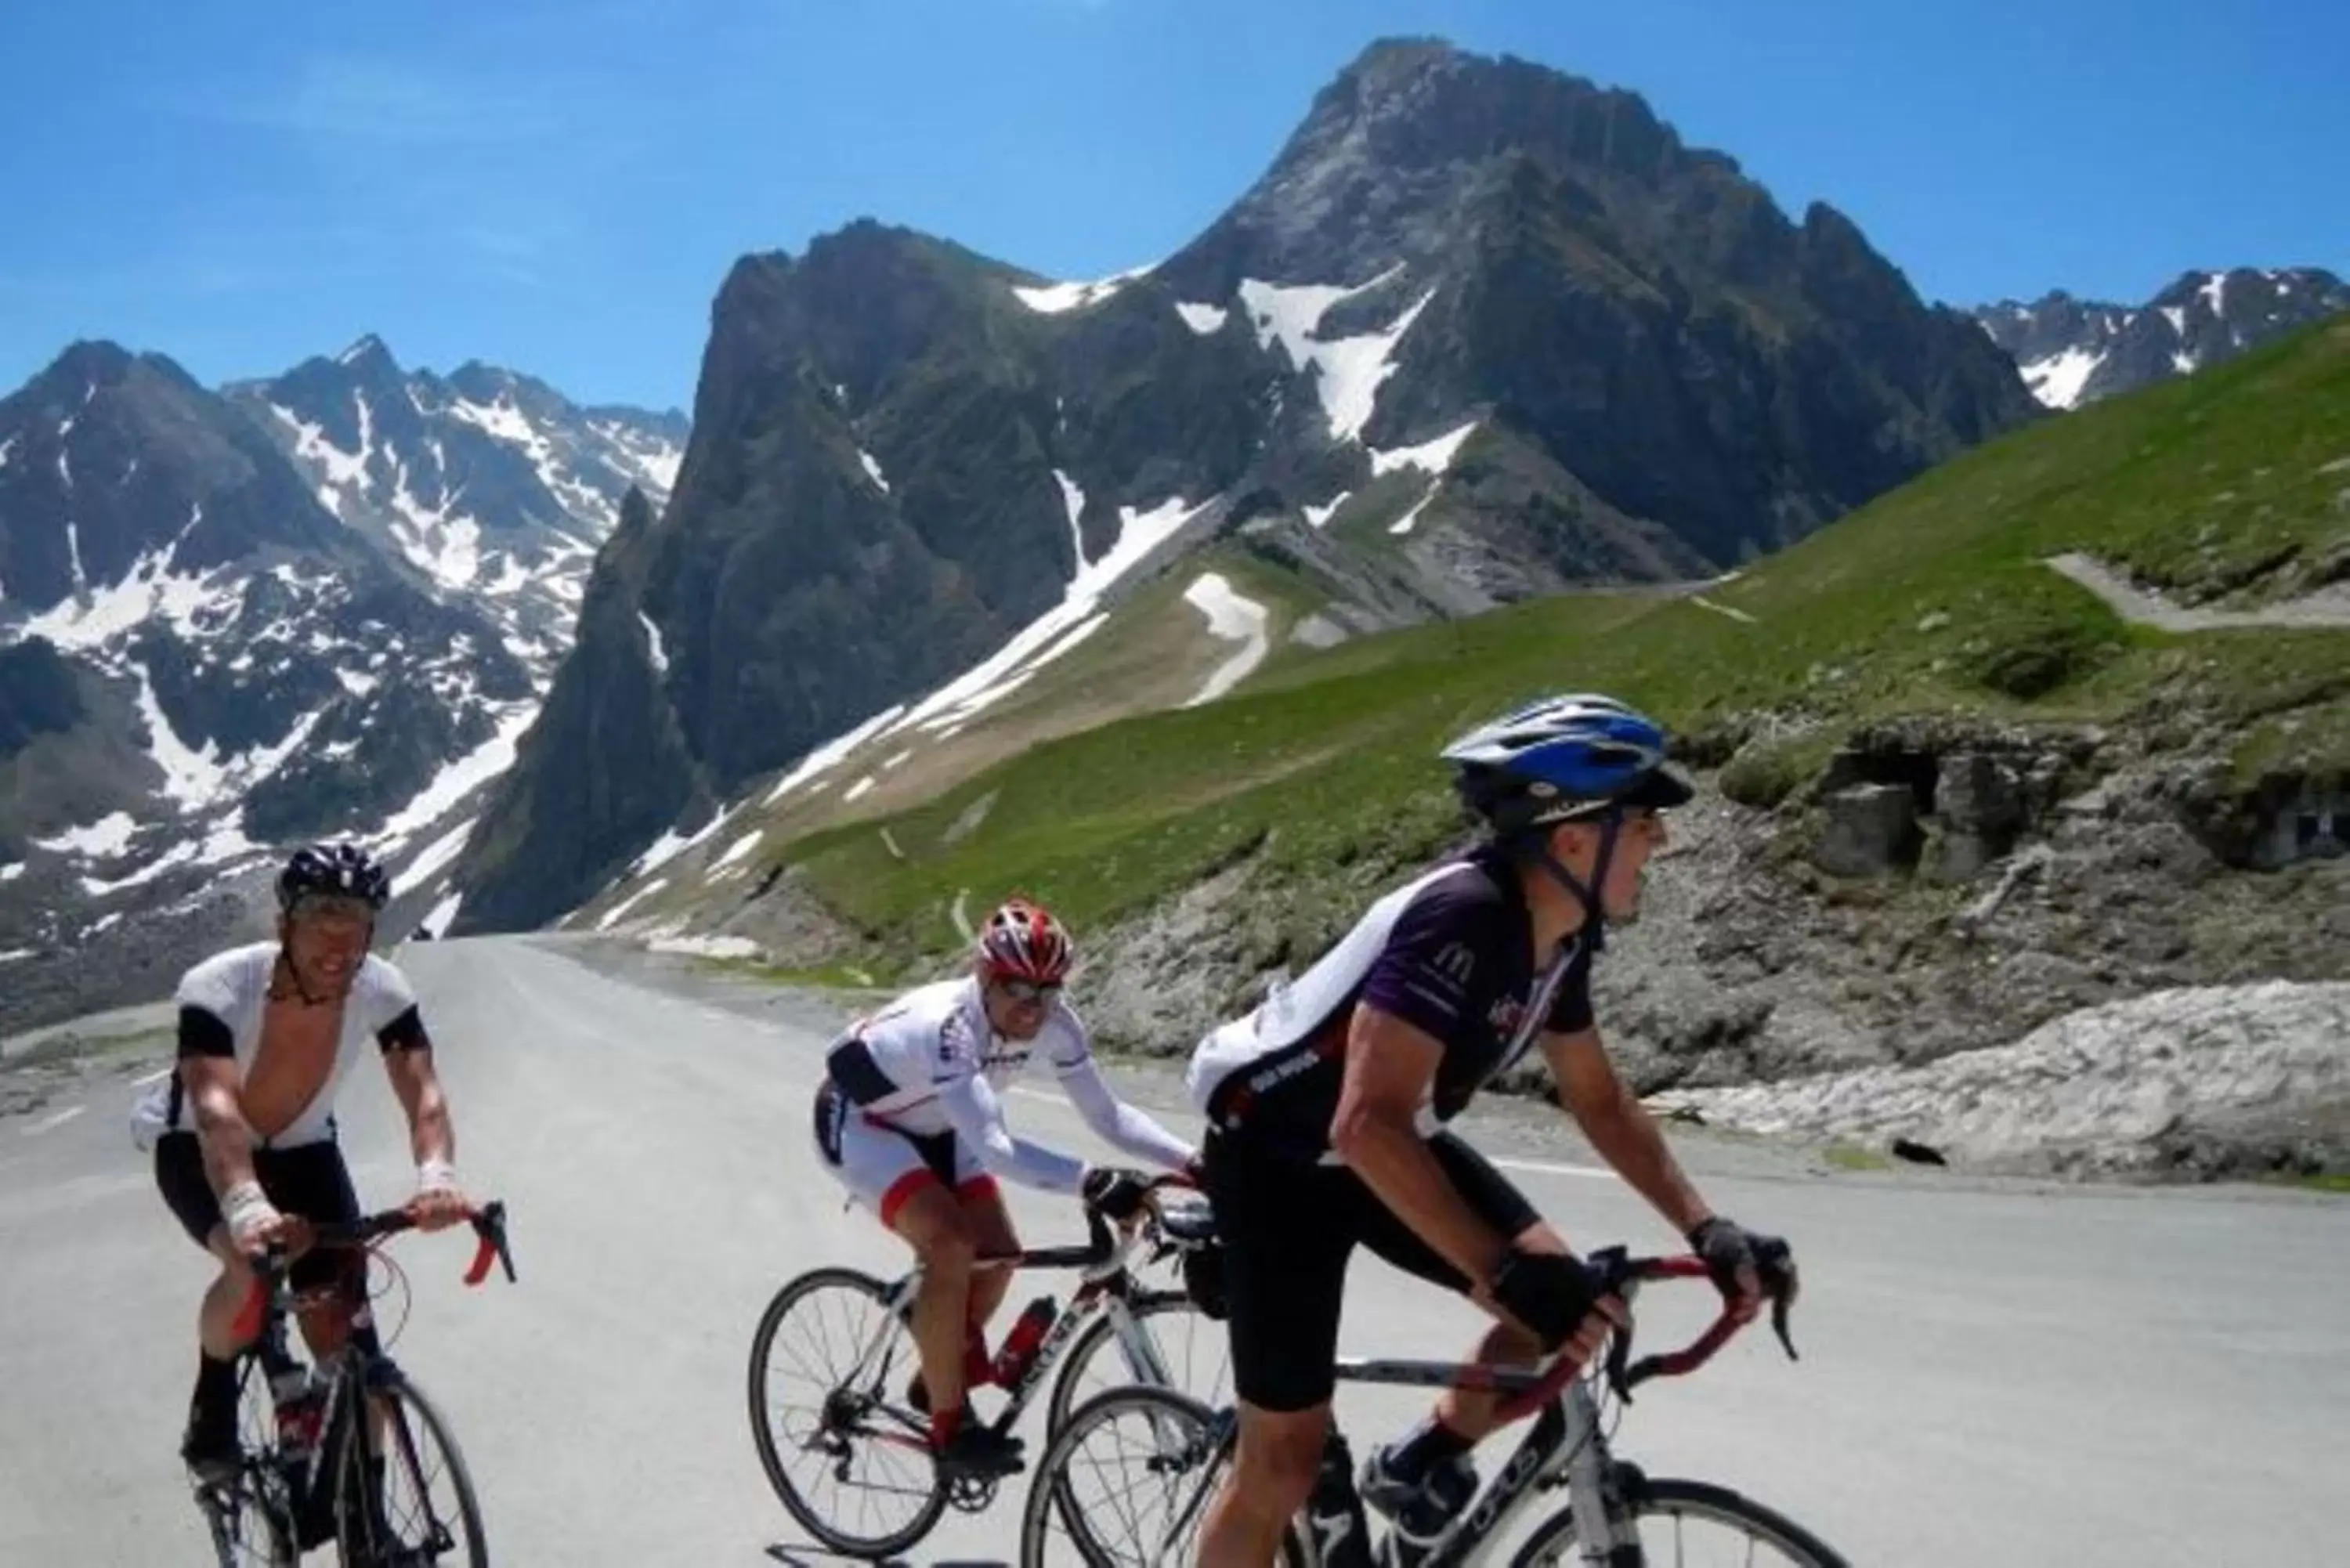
(1561, 758)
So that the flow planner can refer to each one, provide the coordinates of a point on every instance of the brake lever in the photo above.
(1612, 1264)
(490, 1226)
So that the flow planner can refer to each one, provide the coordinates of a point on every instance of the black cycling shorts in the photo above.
(309, 1179)
(1288, 1232)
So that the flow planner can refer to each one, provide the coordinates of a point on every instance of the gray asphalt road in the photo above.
(1990, 1374)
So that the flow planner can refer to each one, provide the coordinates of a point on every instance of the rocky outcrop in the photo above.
(2232, 1079)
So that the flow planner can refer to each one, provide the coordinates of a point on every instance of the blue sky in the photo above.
(560, 187)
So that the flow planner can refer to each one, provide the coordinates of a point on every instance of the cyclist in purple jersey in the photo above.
(1327, 1109)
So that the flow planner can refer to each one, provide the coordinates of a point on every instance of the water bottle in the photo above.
(1342, 1536)
(1020, 1345)
(297, 1397)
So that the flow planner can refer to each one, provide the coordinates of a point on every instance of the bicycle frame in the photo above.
(1566, 1440)
(1106, 1287)
(1566, 1444)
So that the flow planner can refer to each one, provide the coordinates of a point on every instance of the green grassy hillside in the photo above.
(1935, 597)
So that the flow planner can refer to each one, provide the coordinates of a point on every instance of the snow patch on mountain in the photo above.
(824, 758)
(187, 601)
(1054, 632)
(1318, 516)
(1232, 618)
(1433, 456)
(109, 835)
(1053, 299)
(1403, 525)
(1207, 320)
(1073, 500)
(1348, 371)
(435, 856)
(455, 781)
(2058, 379)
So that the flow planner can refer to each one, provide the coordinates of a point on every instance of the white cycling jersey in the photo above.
(230, 992)
(929, 1062)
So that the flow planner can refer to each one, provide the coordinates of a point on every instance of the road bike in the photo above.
(864, 1435)
(309, 1469)
(1615, 1516)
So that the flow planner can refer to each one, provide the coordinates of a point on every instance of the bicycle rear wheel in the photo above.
(829, 1369)
(1691, 1524)
(403, 1495)
(1172, 1445)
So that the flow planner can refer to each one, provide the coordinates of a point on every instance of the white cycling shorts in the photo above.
(881, 1167)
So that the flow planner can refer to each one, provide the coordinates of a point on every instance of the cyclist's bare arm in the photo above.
(1620, 1127)
(1390, 1065)
(431, 1136)
(215, 1087)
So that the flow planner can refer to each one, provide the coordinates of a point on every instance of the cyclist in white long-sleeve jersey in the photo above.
(910, 1118)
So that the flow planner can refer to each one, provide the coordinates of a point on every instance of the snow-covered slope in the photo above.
(328, 605)
(492, 484)
(2073, 351)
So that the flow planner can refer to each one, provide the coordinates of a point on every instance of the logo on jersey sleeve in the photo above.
(956, 1045)
(1456, 961)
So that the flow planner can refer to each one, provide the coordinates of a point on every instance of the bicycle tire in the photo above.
(386, 1384)
(1554, 1536)
(1049, 1486)
(1100, 1334)
(811, 1518)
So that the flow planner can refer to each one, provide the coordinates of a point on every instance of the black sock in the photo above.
(215, 1384)
(1429, 1445)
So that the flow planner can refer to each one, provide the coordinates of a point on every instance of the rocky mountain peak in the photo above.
(2073, 351)
(370, 359)
(1409, 147)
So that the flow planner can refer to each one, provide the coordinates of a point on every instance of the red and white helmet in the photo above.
(1021, 941)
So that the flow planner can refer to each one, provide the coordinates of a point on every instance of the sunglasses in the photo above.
(1028, 990)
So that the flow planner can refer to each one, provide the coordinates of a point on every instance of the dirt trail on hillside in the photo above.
(2329, 606)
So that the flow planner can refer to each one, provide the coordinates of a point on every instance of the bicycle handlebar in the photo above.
(1103, 1249)
(1622, 1274)
(270, 1270)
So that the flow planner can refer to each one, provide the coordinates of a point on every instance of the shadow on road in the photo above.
(796, 1554)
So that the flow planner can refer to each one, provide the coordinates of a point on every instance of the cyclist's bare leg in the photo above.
(223, 1298)
(992, 1236)
(935, 1226)
(1504, 1344)
(1279, 1454)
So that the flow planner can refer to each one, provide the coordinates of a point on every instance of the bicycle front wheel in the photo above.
(1193, 1353)
(1128, 1478)
(251, 1518)
(404, 1494)
(1691, 1524)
